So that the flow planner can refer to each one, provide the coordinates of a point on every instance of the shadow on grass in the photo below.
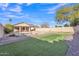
(34, 47)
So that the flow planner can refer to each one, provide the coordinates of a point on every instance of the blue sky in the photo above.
(34, 13)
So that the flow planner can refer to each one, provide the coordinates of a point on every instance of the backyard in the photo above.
(50, 45)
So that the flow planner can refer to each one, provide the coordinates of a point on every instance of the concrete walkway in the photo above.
(7, 40)
(73, 44)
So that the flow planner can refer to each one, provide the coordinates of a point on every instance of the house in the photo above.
(1, 30)
(24, 27)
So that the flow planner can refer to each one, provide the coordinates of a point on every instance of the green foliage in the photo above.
(45, 25)
(57, 26)
(74, 22)
(8, 28)
(66, 25)
(70, 14)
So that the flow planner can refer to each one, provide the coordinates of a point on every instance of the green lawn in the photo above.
(50, 45)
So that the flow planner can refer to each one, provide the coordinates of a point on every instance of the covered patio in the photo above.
(23, 28)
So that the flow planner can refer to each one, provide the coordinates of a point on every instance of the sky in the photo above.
(33, 13)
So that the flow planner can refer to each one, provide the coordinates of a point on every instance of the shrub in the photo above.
(8, 28)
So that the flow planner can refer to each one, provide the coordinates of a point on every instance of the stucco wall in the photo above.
(59, 29)
(52, 30)
(1, 31)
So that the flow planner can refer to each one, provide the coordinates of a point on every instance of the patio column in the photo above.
(25, 29)
(29, 29)
(20, 29)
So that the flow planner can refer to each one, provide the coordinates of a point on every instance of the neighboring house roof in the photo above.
(23, 24)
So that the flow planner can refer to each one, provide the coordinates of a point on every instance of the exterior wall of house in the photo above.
(1, 31)
(22, 27)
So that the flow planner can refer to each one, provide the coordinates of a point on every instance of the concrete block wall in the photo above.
(59, 29)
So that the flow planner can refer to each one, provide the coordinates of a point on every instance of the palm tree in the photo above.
(10, 20)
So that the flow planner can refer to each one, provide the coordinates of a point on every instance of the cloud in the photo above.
(59, 5)
(15, 16)
(53, 9)
(28, 4)
(4, 6)
(24, 16)
(16, 9)
(7, 15)
(10, 16)
(19, 3)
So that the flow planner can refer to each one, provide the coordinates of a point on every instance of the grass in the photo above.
(53, 37)
(40, 46)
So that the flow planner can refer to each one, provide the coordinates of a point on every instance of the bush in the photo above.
(8, 28)
(66, 25)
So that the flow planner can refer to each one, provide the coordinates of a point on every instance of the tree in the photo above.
(45, 25)
(66, 25)
(10, 20)
(8, 28)
(70, 14)
(58, 26)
